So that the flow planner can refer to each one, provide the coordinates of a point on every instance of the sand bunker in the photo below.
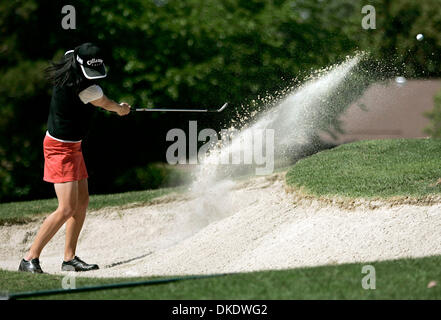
(240, 226)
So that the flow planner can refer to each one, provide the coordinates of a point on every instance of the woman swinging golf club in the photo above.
(74, 96)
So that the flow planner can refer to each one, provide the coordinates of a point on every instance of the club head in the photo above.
(223, 107)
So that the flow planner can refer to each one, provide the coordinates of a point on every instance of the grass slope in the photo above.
(398, 279)
(375, 168)
(20, 212)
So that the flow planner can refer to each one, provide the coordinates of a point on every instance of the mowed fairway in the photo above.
(401, 279)
(372, 169)
(25, 211)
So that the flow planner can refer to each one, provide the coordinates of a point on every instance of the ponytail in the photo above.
(64, 72)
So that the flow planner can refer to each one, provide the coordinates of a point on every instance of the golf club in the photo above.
(179, 110)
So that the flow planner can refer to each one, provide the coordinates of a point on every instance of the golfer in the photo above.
(75, 94)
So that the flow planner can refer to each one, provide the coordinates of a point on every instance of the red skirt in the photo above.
(63, 161)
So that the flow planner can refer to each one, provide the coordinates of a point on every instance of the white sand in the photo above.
(239, 226)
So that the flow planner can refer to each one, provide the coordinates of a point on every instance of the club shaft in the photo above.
(173, 110)
(180, 110)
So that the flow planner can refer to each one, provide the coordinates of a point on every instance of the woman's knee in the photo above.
(67, 211)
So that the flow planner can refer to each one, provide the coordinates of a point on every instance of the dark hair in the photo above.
(64, 72)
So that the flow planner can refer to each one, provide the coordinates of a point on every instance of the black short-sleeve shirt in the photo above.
(69, 118)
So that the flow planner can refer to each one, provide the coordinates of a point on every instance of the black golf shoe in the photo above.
(76, 264)
(30, 266)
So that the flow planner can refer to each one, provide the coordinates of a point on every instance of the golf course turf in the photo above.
(399, 279)
(21, 212)
(368, 169)
(372, 169)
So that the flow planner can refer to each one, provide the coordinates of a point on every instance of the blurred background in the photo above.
(202, 53)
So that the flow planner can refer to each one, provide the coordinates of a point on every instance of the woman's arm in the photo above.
(110, 105)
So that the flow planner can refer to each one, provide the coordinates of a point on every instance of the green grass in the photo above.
(372, 169)
(20, 212)
(398, 279)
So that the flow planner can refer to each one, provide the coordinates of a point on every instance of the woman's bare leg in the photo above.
(75, 223)
(67, 194)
